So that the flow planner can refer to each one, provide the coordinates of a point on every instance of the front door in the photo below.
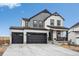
(50, 35)
(58, 35)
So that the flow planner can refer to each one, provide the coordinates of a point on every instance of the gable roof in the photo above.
(25, 19)
(55, 14)
(75, 24)
(43, 11)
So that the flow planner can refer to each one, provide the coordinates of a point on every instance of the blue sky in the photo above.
(11, 14)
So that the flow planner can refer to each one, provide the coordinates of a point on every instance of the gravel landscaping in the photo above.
(71, 47)
(3, 49)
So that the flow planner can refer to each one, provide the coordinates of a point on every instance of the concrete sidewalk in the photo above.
(38, 50)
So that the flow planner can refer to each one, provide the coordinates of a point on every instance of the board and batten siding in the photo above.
(76, 28)
(72, 34)
(41, 17)
(23, 23)
(55, 18)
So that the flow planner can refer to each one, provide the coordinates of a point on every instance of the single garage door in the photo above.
(17, 38)
(36, 37)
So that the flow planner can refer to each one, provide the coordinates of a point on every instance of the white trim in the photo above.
(37, 31)
(60, 29)
(14, 31)
(17, 30)
(25, 36)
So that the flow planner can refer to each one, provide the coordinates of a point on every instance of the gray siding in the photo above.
(41, 16)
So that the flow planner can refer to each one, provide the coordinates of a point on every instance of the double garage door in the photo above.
(17, 38)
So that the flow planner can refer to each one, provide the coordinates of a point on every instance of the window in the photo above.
(26, 24)
(34, 23)
(40, 24)
(58, 34)
(51, 21)
(58, 22)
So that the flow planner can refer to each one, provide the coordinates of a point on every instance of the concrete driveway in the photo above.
(38, 50)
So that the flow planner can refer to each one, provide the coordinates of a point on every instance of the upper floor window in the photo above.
(34, 23)
(51, 21)
(58, 22)
(26, 24)
(40, 24)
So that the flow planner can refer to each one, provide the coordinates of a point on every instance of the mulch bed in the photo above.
(75, 48)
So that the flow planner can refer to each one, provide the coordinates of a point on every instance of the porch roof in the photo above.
(76, 31)
(23, 28)
(58, 28)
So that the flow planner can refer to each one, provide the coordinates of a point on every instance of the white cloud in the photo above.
(10, 5)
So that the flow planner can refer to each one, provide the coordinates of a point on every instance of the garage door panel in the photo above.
(17, 38)
(36, 38)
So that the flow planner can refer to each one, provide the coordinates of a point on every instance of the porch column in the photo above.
(24, 40)
(54, 35)
(47, 37)
(66, 35)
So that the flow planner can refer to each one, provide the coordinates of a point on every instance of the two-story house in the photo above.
(39, 28)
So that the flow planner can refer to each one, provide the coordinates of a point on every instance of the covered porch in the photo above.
(58, 33)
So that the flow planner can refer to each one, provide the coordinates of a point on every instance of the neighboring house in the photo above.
(73, 32)
(40, 28)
